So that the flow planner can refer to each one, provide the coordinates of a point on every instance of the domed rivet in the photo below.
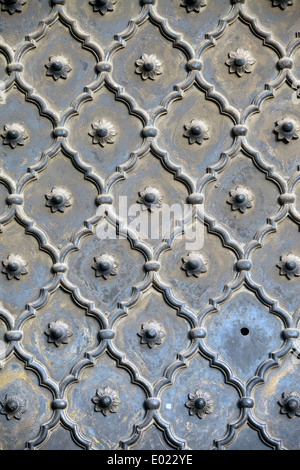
(13, 335)
(194, 64)
(200, 403)
(59, 404)
(149, 131)
(152, 266)
(288, 333)
(152, 403)
(15, 199)
(106, 334)
(239, 130)
(240, 198)
(244, 265)
(290, 404)
(13, 134)
(285, 63)
(14, 67)
(246, 402)
(287, 126)
(104, 199)
(197, 333)
(195, 198)
(60, 268)
(104, 67)
(287, 198)
(60, 132)
(239, 61)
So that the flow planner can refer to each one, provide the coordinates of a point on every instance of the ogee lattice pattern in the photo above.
(110, 339)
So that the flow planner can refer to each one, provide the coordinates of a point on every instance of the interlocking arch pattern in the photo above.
(127, 342)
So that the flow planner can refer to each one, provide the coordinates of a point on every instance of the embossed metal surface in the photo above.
(129, 342)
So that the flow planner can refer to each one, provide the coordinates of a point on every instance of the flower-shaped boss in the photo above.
(103, 132)
(58, 199)
(103, 6)
(282, 3)
(194, 264)
(240, 199)
(150, 198)
(289, 265)
(58, 67)
(290, 404)
(58, 332)
(240, 62)
(13, 406)
(14, 134)
(12, 6)
(148, 66)
(151, 333)
(193, 5)
(14, 266)
(199, 403)
(106, 400)
(287, 129)
(105, 265)
(196, 131)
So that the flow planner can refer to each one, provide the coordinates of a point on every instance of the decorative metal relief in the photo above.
(289, 265)
(103, 6)
(194, 264)
(105, 265)
(58, 332)
(58, 67)
(14, 134)
(240, 199)
(196, 131)
(240, 62)
(199, 404)
(193, 5)
(148, 66)
(13, 406)
(58, 199)
(12, 6)
(282, 3)
(149, 224)
(103, 132)
(14, 266)
(106, 401)
(287, 129)
(150, 198)
(151, 333)
(290, 404)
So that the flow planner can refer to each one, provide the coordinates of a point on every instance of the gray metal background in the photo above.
(228, 334)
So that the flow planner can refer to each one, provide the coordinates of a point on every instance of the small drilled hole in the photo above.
(244, 331)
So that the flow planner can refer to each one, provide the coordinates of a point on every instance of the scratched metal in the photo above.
(129, 342)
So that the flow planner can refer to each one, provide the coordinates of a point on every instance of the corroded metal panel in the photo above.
(149, 216)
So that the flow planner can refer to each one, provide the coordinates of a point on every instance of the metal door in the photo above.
(149, 245)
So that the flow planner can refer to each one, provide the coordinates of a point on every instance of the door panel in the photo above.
(149, 216)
